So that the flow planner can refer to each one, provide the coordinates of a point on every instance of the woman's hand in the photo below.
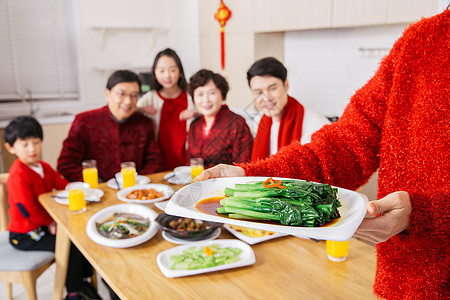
(221, 170)
(391, 217)
(148, 110)
(187, 114)
(52, 228)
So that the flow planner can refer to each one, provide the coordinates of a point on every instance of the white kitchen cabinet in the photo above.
(349, 13)
(407, 11)
(284, 15)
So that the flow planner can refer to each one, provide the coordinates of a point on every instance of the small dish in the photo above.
(247, 257)
(90, 195)
(104, 214)
(252, 240)
(140, 180)
(173, 179)
(162, 188)
(164, 220)
(212, 236)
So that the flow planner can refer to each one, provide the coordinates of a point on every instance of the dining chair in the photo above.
(17, 266)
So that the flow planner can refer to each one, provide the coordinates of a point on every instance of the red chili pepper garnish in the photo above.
(273, 183)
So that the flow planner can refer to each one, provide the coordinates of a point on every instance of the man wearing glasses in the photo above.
(112, 134)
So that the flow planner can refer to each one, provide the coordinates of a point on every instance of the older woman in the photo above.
(218, 135)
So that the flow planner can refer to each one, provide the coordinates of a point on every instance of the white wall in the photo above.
(326, 66)
(128, 34)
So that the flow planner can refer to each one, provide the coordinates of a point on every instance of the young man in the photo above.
(30, 226)
(112, 134)
(285, 119)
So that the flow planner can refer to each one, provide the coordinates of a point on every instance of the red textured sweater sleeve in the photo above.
(73, 150)
(345, 153)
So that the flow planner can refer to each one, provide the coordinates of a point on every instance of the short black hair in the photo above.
(22, 127)
(182, 83)
(203, 76)
(267, 66)
(120, 76)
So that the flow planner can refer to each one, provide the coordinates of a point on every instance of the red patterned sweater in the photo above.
(229, 139)
(398, 122)
(96, 135)
(24, 186)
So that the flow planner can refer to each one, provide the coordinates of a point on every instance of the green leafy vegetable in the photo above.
(291, 202)
(198, 258)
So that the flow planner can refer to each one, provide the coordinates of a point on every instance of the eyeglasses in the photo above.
(123, 96)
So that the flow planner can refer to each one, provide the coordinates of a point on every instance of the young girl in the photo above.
(167, 104)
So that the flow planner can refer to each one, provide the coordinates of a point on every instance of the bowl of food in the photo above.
(186, 228)
(145, 194)
(122, 225)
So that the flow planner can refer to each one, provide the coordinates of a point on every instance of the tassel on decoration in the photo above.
(223, 14)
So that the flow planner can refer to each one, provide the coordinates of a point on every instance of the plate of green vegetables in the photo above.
(204, 256)
(290, 206)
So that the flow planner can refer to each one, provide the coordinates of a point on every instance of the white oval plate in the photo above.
(90, 195)
(352, 211)
(107, 212)
(212, 236)
(163, 259)
(139, 181)
(253, 240)
(162, 188)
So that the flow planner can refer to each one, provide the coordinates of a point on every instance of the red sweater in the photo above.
(229, 139)
(96, 135)
(172, 131)
(24, 186)
(398, 122)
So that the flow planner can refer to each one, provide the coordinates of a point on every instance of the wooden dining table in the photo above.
(286, 268)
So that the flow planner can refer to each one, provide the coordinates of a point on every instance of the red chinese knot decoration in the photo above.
(223, 14)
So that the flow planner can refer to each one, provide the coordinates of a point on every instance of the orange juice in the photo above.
(196, 170)
(129, 178)
(90, 175)
(76, 201)
(337, 250)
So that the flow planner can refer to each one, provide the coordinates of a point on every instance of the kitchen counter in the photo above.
(50, 118)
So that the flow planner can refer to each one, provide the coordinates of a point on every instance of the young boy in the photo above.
(30, 226)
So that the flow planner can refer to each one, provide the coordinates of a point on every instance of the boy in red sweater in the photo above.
(30, 226)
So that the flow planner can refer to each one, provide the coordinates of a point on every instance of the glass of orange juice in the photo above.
(77, 204)
(337, 251)
(196, 166)
(128, 170)
(90, 173)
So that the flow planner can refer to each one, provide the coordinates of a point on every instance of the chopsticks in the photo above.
(117, 182)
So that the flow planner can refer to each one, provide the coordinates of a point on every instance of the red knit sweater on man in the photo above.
(398, 122)
(24, 187)
(95, 134)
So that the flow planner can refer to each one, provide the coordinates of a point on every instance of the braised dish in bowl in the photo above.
(186, 228)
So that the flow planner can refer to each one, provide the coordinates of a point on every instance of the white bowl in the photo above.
(107, 212)
(183, 174)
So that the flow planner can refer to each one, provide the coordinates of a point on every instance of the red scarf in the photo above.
(172, 132)
(290, 129)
